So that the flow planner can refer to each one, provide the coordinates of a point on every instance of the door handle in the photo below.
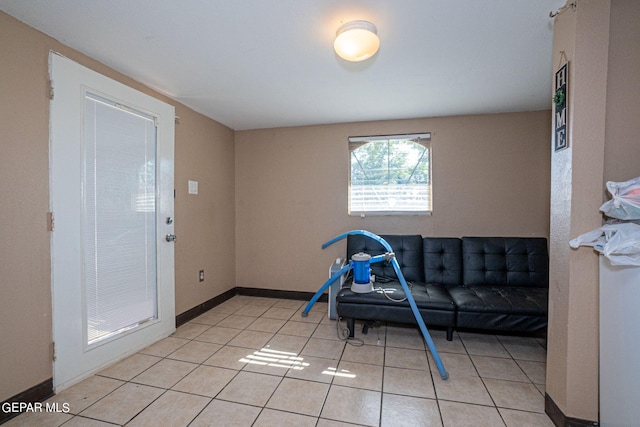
(171, 237)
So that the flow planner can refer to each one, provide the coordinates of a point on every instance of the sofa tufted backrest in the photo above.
(501, 261)
(442, 260)
(407, 248)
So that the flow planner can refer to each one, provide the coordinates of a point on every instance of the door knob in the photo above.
(171, 237)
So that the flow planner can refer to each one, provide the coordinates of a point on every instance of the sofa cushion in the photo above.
(425, 296)
(434, 304)
(442, 260)
(407, 249)
(505, 261)
(500, 299)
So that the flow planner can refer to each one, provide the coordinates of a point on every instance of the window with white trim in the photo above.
(390, 175)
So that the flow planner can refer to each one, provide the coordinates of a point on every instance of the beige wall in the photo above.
(204, 223)
(600, 40)
(560, 231)
(490, 176)
(270, 201)
(622, 150)
(25, 289)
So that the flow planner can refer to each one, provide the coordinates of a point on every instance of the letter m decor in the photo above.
(560, 113)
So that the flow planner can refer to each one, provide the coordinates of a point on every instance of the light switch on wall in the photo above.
(193, 187)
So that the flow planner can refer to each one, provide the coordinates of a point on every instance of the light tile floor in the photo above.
(257, 362)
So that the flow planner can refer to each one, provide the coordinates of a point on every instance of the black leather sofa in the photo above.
(488, 283)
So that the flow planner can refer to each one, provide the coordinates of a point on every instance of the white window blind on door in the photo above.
(119, 225)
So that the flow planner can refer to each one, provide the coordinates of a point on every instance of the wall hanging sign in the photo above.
(560, 111)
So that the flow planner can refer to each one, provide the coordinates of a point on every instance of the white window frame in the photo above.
(423, 139)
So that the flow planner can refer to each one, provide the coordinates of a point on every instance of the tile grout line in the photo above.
(495, 405)
(246, 302)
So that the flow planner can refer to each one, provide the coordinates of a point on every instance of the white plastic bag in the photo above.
(623, 248)
(625, 202)
(595, 238)
(618, 242)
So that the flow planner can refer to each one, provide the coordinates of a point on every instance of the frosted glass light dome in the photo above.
(356, 41)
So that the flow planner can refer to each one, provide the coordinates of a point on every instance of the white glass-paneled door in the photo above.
(112, 250)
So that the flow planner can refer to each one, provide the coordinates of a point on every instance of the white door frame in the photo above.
(73, 361)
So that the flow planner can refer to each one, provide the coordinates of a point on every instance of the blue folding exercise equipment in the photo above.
(361, 276)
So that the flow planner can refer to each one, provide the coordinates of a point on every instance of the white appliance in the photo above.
(619, 345)
(335, 286)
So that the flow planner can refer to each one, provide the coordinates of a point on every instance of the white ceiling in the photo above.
(257, 64)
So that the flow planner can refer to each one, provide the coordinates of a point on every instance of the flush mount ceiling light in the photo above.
(356, 41)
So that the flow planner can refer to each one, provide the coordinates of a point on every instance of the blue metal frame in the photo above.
(403, 282)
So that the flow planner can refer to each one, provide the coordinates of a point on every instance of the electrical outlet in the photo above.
(201, 277)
